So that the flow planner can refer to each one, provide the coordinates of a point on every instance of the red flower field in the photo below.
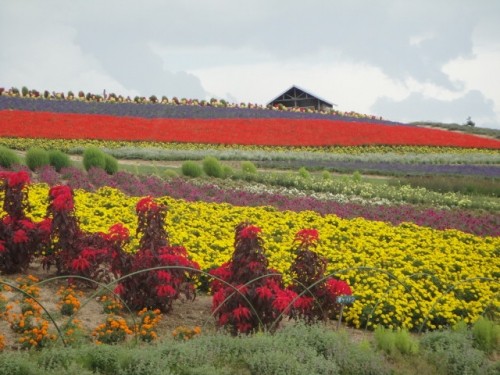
(272, 132)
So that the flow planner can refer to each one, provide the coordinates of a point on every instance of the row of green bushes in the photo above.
(37, 157)
(294, 350)
(212, 167)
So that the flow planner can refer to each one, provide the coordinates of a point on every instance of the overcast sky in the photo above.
(434, 60)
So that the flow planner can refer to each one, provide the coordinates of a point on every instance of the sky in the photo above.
(425, 60)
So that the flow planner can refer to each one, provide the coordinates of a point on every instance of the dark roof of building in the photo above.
(304, 91)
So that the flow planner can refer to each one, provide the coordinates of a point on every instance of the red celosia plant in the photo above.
(73, 251)
(252, 300)
(316, 294)
(159, 288)
(20, 238)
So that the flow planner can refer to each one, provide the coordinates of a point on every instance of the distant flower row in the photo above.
(342, 205)
(243, 131)
(153, 107)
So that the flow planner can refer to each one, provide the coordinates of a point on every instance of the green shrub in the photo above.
(248, 167)
(405, 343)
(356, 176)
(326, 175)
(392, 342)
(94, 158)
(111, 164)
(36, 157)
(170, 173)
(15, 364)
(104, 359)
(452, 353)
(385, 340)
(59, 159)
(191, 169)
(304, 173)
(212, 167)
(227, 171)
(8, 158)
(486, 335)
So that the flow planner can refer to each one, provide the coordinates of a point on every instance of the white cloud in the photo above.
(350, 86)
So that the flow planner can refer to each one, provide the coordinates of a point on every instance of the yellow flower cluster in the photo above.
(185, 333)
(29, 323)
(406, 275)
(113, 331)
(73, 144)
(69, 302)
(111, 305)
(147, 326)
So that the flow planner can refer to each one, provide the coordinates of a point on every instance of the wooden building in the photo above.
(299, 98)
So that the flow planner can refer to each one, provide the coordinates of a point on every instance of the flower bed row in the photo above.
(429, 154)
(278, 131)
(392, 168)
(403, 275)
(344, 206)
(165, 108)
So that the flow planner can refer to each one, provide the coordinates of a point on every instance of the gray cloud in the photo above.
(377, 33)
(111, 41)
(417, 107)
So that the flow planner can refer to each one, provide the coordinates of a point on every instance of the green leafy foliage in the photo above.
(111, 164)
(248, 167)
(94, 157)
(59, 159)
(191, 169)
(36, 157)
(212, 167)
(8, 158)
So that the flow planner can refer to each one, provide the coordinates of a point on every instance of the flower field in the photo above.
(413, 258)
(243, 131)
(406, 274)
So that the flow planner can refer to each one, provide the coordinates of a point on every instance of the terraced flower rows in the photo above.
(258, 131)
(404, 275)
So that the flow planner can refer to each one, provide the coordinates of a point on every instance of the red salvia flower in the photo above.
(45, 225)
(120, 289)
(80, 264)
(164, 276)
(20, 236)
(27, 224)
(146, 204)
(244, 327)
(307, 236)
(18, 179)
(264, 292)
(250, 231)
(241, 313)
(283, 300)
(2, 246)
(59, 190)
(7, 220)
(303, 303)
(118, 232)
(165, 291)
(338, 287)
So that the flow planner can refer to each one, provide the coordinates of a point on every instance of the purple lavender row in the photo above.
(481, 224)
(157, 110)
(391, 168)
